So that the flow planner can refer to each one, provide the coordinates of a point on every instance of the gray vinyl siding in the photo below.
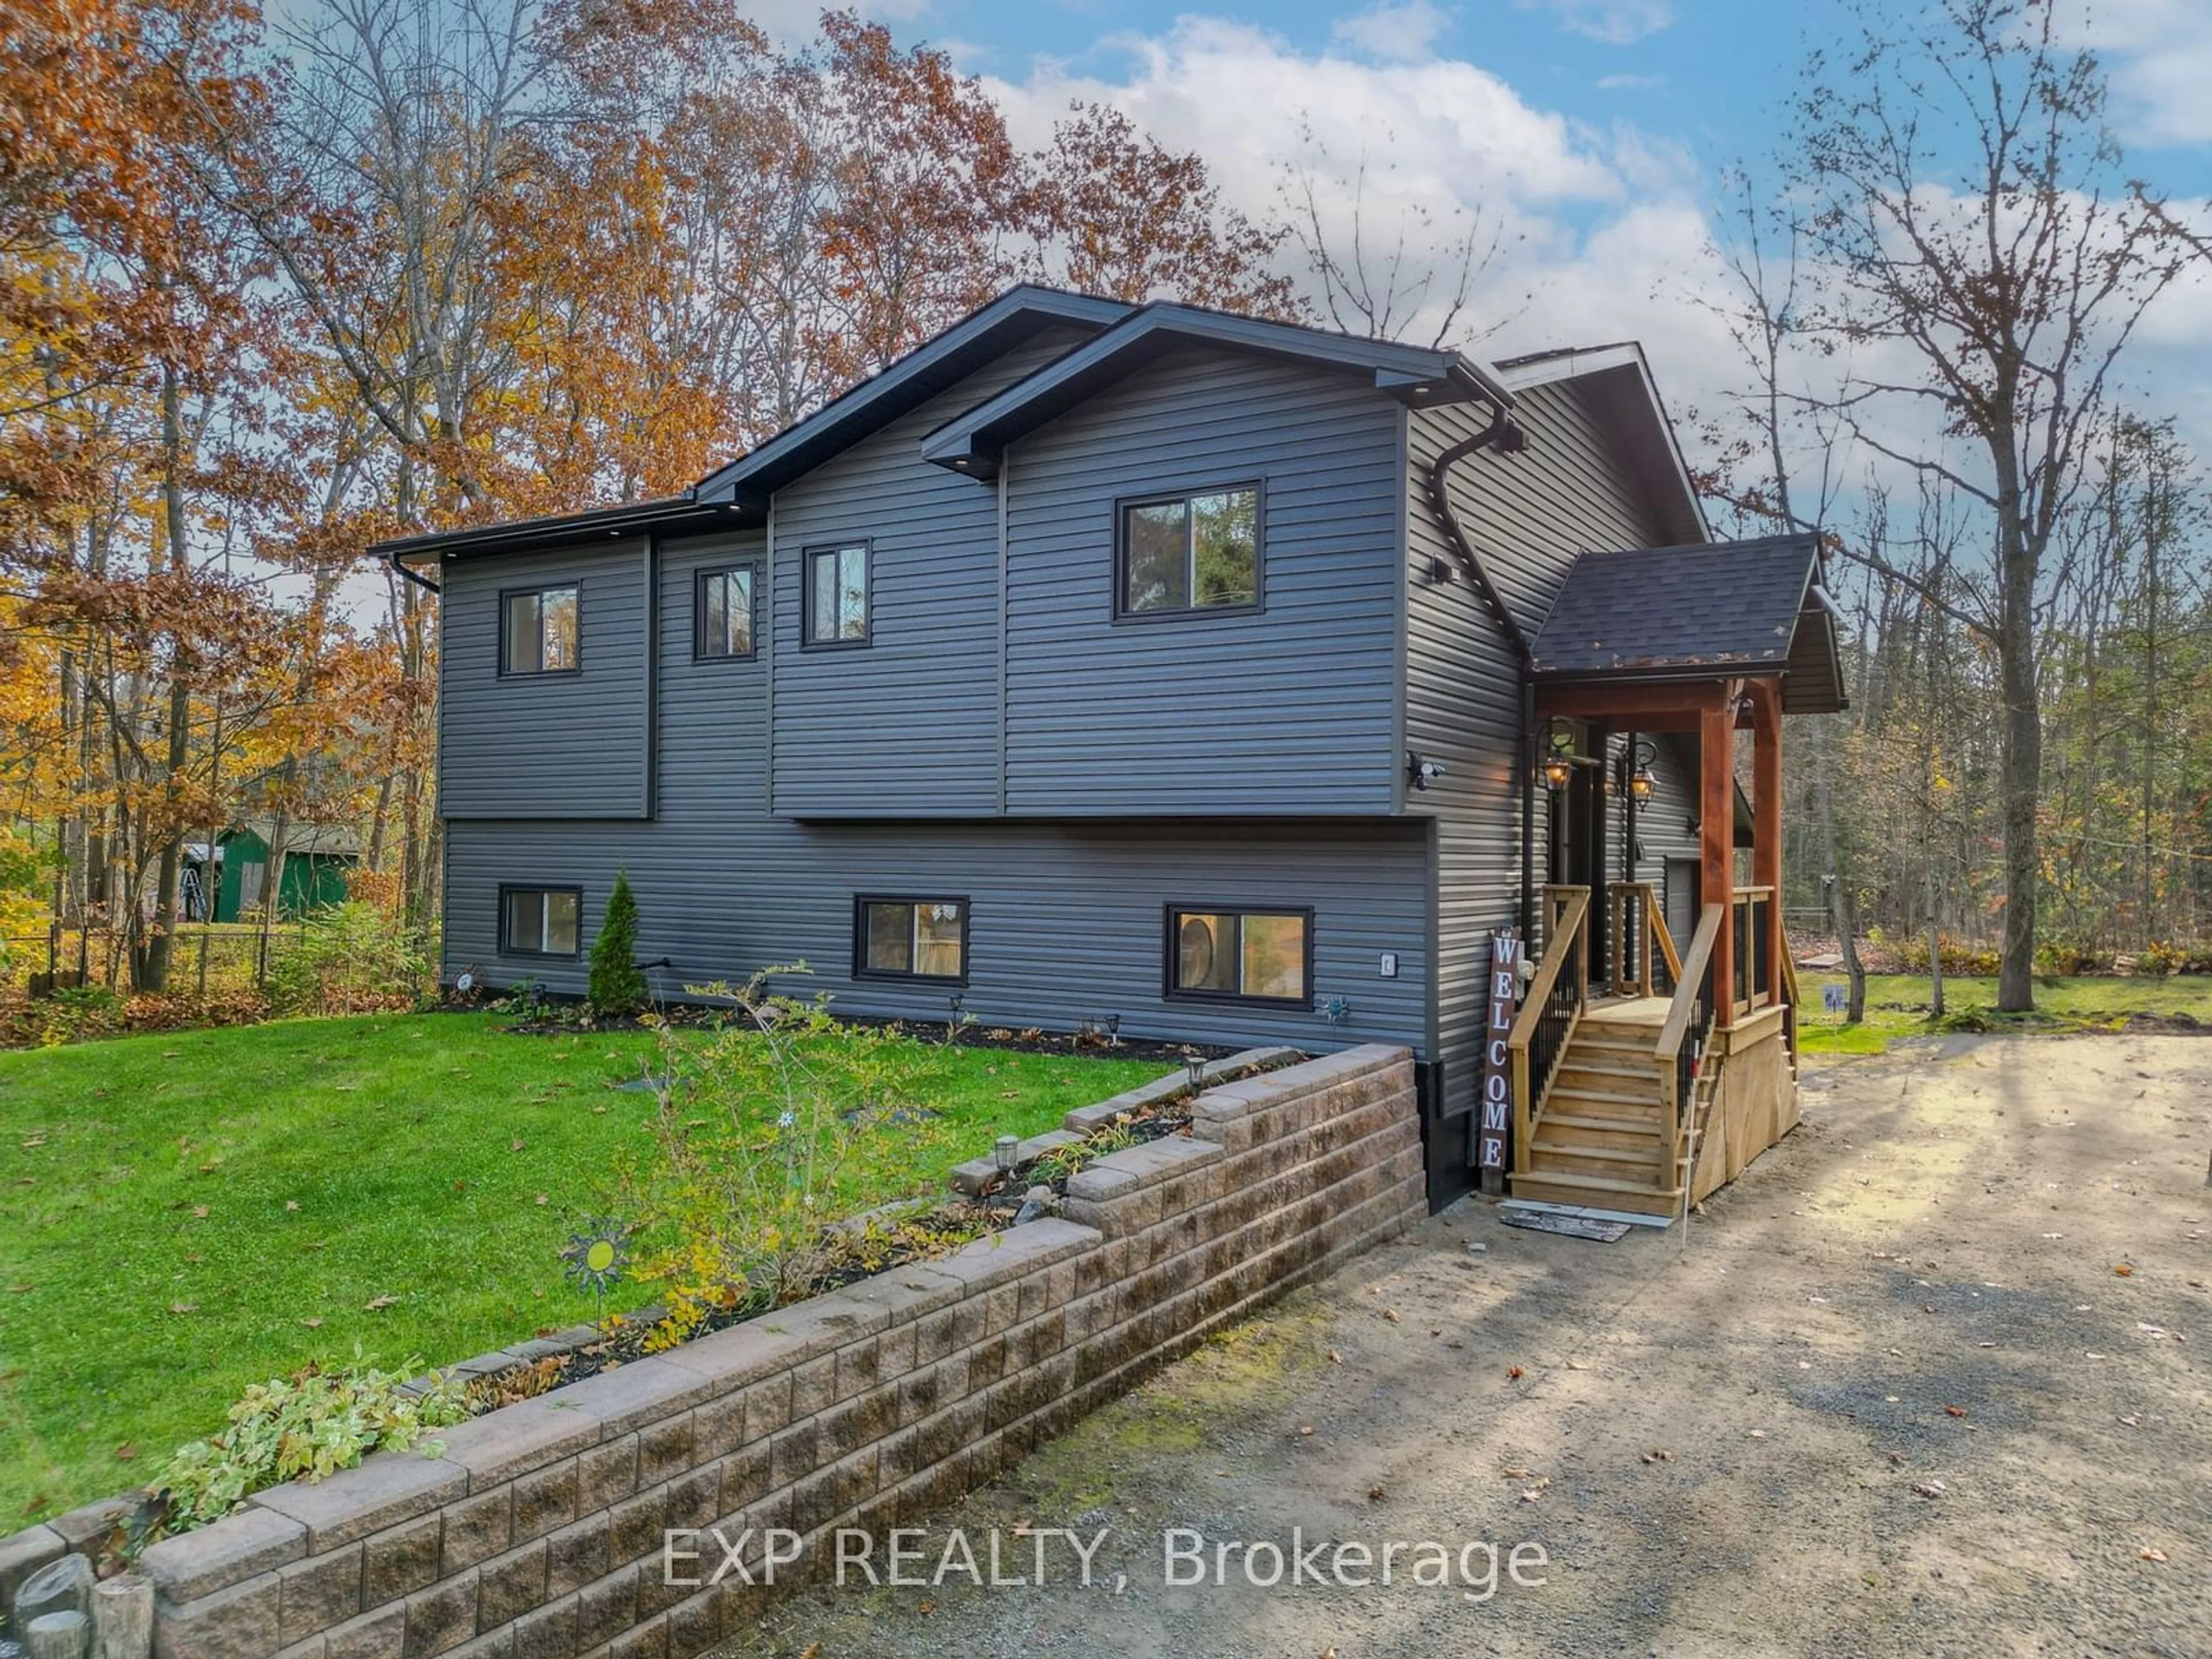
(1066, 921)
(1529, 515)
(556, 746)
(906, 726)
(1289, 709)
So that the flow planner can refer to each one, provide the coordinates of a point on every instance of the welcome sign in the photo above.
(1496, 1134)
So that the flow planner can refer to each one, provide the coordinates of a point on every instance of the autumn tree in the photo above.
(1988, 266)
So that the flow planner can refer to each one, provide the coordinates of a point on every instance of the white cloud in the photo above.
(1616, 22)
(2159, 54)
(1629, 82)
(1401, 33)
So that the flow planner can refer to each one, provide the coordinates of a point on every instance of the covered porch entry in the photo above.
(1649, 1068)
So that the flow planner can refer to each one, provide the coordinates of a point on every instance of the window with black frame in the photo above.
(837, 595)
(723, 603)
(910, 939)
(1242, 956)
(538, 631)
(540, 922)
(1187, 554)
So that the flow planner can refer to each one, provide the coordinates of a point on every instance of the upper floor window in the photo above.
(1185, 553)
(539, 634)
(910, 938)
(837, 595)
(538, 921)
(723, 603)
(1258, 956)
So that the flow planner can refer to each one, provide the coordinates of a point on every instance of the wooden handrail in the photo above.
(1657, 916)
(1566, 923)
(1569, 920)
(1687, 983)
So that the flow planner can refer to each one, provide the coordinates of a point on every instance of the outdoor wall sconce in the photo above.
(1640, 781)
(1559, 765)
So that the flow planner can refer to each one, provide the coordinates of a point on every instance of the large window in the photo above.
(538, 921)
(1256, 956)
(539, 635)
(910, 938)
(837, 595)
(723, 604)
(1190, 553)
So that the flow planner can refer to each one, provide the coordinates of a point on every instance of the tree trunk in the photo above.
(2021, 770)
(151, 969)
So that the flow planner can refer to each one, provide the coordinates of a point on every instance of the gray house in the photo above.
(1101, 661)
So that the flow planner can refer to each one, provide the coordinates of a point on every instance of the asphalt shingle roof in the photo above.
(1666, 611)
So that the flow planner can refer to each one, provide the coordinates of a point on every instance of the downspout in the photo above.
(1504, 434)
(399, 562)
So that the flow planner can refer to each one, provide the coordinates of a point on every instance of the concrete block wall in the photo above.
(537, 1532)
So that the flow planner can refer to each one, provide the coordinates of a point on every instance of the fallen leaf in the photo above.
(1657, 1456)
(1514, 1372)
(291, 1204)
(379, 1303)
(1305, 1428)
(184, 1307)
(123, 1453)
(312, 1324)
(1955, 1410)
(2124, 1271)
(1021, 1528)
(542, 1197)
(1335, 1357)
(1759, 1434)
(514, 1146)
(2132, 1421)
(1930, 1488)
(1515, 1474)
(1531, 1495)
(199, 1212)
(1897, 1457)
(1576, 1365)
(1390, 1313)
(1375, 1494)
(2147, 1553)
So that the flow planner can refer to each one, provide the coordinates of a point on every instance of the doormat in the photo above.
(1570, 1226)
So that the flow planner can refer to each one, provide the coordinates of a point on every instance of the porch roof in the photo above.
(1750, 609)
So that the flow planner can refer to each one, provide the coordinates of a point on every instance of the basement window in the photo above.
(1240, 955)
(538, 921)
(910, 939)
(538, 631)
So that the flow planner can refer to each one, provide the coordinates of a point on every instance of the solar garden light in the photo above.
(1005, 1152)
(1195, 1064)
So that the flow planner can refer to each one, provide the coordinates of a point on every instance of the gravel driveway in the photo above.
(1930, 1379)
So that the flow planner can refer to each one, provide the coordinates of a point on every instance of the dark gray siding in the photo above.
(1287, 710)
(908, 725)
(1529, 515)
(561, 746)
(1066, 921)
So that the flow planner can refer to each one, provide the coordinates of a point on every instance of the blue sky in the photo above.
(1589, 135)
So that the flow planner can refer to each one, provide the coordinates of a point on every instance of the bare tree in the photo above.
(1418, 272)
(1989, 265)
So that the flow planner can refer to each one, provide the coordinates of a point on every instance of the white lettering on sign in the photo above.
(1496, 1057)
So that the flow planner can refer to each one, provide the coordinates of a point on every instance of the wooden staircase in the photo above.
(1601, 1139)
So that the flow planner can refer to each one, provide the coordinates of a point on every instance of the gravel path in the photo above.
(1893, 1399)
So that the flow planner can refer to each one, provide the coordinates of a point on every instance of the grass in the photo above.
(1897, 1005)
(184, 1214)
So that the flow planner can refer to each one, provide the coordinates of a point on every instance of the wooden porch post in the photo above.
(1717, 842)
(1766, 824)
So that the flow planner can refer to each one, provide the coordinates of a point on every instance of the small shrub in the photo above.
(759, 1135)
(2161, 959)
(351, 958)
(617, 987)
(2063, 959)
(305, 1426)
(77, 1011)
(1054, 1167)
(1967, 961)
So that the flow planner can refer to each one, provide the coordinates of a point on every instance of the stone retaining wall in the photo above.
(537, 1532)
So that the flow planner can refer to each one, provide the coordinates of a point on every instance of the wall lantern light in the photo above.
(1640, 781)
(1559, 765)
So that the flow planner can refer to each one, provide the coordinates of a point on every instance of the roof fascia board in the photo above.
(1600, 360)
(860, 411)
(971, 443)
(677, 513)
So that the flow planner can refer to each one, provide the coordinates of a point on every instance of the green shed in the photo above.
(316, 859)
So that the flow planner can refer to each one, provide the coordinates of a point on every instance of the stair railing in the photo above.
(1641, 942)
(1789, 995)
(1550, 1011)
(1689, 1015)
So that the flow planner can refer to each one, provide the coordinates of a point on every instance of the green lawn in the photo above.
(182, 1215)
(1897, 1005)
